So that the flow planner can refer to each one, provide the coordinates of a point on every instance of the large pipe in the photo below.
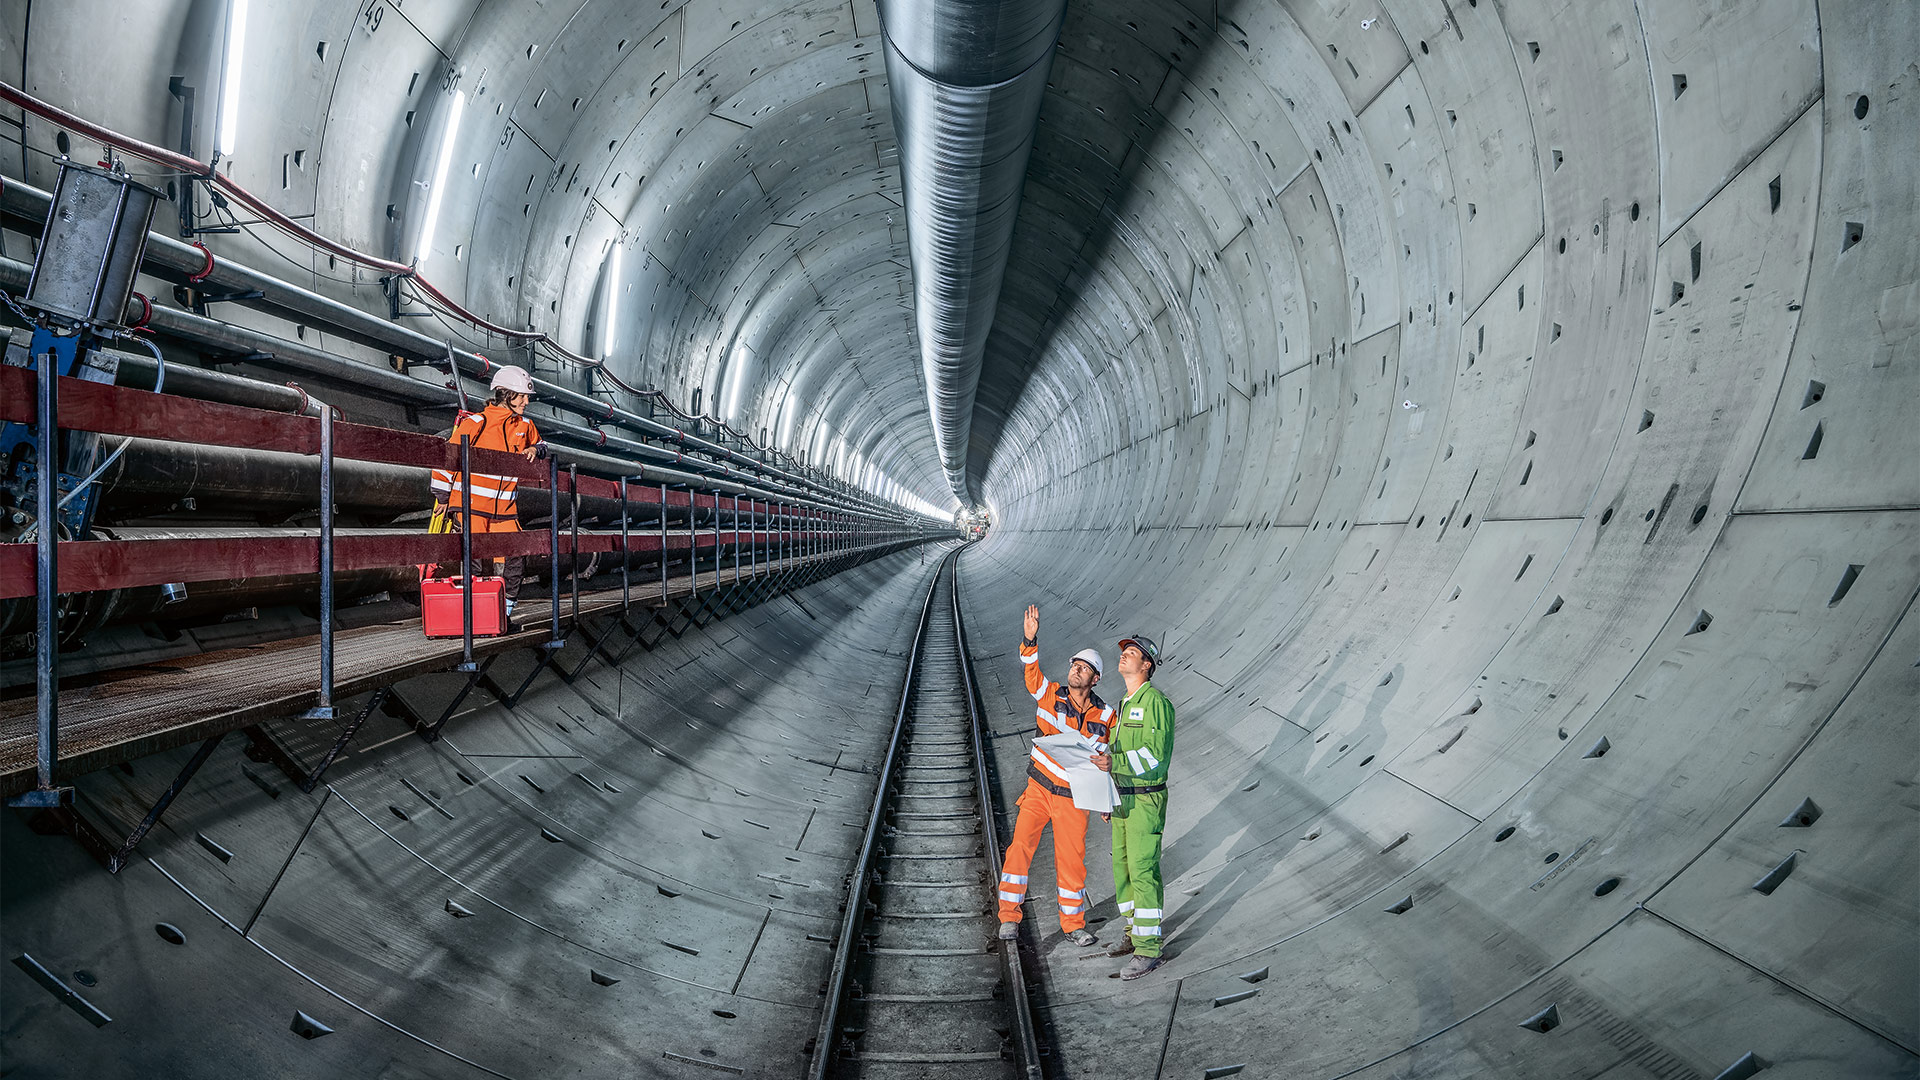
(180, 261)
(966, 78)
(232, 389)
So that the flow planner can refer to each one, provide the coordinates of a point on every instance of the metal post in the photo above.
(693, 544)
(625, 583)
(46, 585)
(716, 540)
(466, 552)
(324, 711)
(573, 520)
(553, 549)
(663, 545)
(736, 537)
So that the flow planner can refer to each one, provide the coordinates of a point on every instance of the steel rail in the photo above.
(1026, 1041)
(824, 1041)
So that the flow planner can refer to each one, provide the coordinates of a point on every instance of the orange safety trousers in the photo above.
(1039, 808)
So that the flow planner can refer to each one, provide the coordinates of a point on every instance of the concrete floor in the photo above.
(1499, 410)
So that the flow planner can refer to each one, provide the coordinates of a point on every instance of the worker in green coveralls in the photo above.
(1139, 749)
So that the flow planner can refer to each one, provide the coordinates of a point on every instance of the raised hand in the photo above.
(1033, 622)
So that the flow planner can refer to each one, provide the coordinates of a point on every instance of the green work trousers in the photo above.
(1137, 824)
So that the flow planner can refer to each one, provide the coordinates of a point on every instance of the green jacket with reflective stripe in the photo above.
(1142, 739)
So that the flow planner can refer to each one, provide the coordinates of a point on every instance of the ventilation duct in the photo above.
(966, 78)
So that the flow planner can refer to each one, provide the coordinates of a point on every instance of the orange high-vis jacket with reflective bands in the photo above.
(493, 428)
(1056, 714)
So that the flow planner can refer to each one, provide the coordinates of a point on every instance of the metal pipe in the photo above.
(966, 78)
(184, 261)
(140, 372)
(46, 643)
(663, 545)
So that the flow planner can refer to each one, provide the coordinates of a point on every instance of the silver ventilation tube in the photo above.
(966, 78)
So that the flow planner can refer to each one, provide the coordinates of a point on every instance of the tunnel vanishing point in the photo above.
(1503, 413)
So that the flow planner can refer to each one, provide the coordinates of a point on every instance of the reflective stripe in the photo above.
(1126, 906)
(1146, 931)
(1152, 762)
(1030, 658)
(1071, 894)
(1147, 913)
(1011, 897)
(1047, 763)
(1133, 758)
(1017, 879)
(1075, 910)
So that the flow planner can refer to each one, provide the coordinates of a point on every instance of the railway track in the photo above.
(920, 987)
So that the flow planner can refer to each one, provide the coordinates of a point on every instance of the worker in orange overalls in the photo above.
(502, 425)
(1048, 798)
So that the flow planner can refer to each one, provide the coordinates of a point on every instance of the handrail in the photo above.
(1026, 1042)
(823, 1041)
(122, 410)
(92, 565)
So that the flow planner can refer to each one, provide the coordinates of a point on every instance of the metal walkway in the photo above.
(920, 985)
(150, 708)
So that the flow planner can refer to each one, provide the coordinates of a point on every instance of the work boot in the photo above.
(1082, 937)
(1139, 966)
(1009, 931)
(1121, 947)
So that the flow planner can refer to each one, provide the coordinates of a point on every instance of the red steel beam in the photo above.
(93, 565)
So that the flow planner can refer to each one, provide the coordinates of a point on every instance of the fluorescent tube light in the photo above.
(230, 67)
(423, 247)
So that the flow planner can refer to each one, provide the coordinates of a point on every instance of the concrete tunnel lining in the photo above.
(1439, 381)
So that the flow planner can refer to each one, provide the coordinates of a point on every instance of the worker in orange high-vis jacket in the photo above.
(1048, 800)
(502, 425)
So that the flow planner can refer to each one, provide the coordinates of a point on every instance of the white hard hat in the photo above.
(512, 378)
(1092, 658)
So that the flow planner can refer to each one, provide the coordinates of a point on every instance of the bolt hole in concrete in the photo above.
(307, 1027)
(1606, 886)
(170, 933)
(85, 978)
(1543, 1021)
(1552, 857)
(1803, 816)
(1860, 107)
(1503, 834)
(721, 1013)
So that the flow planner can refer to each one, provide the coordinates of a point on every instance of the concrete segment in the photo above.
(1451, 385)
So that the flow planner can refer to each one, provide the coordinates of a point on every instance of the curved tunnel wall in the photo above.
(1451, 386)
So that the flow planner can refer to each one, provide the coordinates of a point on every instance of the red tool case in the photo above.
(441, 613)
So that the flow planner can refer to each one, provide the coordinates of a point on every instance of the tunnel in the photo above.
(1500, 412)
